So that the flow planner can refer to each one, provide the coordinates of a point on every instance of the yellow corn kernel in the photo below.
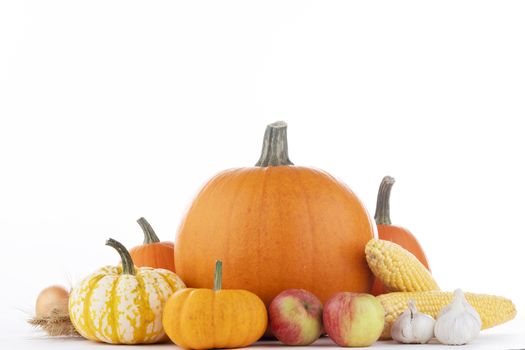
(397, 268)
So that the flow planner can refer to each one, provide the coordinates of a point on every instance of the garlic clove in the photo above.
(413, 327)
(458, 323)
(423, 328)
(402, 328)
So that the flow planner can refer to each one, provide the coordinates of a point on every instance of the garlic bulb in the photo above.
(458, 323)
(412, 326)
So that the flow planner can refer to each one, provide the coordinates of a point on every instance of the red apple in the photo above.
(353, 319)
(296, 317)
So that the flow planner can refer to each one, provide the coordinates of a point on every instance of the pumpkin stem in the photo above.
(275, 146)
(127, 263)
(217, 281)
(382, 215)
(149, 235)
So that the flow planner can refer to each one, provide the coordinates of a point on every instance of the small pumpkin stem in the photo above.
(217, 281)
(127, 263)
(382, 215)
(149, 235)
(275, 146)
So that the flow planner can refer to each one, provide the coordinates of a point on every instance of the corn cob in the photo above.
(397, 268)
(493, 310)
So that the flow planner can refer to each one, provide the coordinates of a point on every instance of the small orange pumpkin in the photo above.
(214, 318)
(389, 232)
(153, 253)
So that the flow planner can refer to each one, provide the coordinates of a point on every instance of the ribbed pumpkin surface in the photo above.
(208, 319)
(275, 228)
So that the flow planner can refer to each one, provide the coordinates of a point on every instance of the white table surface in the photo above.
(21, 336)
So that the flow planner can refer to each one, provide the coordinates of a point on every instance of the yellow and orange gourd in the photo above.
(277, 226)
(214, 318)
(122, 304)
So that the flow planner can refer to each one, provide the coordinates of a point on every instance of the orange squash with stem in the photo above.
(214, 318)
(153, 252)
(393, 233)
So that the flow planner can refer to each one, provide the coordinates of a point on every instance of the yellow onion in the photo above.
(52, 301)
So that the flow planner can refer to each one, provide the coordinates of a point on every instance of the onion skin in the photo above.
(52, 301)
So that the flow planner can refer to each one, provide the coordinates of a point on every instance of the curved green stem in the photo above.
(275, 146)
(382, 215)
(127, 263)
(217, 280)
(149, 235)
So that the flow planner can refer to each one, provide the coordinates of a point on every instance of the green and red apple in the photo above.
(296, 317)
(353, 319)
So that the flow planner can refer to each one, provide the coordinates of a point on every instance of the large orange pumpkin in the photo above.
(389, 232)
(276, 226)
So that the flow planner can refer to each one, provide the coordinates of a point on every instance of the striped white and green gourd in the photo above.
(122, 304)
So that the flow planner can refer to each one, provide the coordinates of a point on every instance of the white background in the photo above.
(111, 110)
